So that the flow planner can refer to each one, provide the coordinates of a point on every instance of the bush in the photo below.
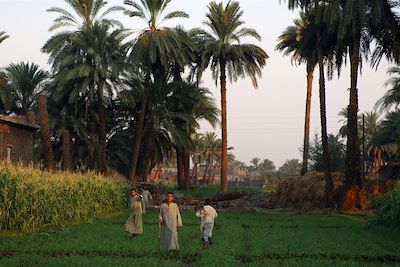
(388, 208)
(31, 199)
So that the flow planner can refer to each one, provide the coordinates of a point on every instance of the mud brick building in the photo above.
(16, 138)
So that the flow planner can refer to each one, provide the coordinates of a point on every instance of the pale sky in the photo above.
(266, 122)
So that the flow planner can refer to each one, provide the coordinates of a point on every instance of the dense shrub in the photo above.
(388, 208)
(31, 199)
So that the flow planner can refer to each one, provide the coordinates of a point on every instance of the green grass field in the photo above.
(257, 239)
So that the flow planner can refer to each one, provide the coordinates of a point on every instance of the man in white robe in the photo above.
(171, 220)
(207, 216)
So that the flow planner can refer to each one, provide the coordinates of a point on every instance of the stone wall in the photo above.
(16, 143)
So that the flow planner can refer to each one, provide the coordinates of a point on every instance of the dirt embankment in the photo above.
(301, 193)
(307, 193)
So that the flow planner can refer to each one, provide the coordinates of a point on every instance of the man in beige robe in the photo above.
(171, 220)
(134, 223)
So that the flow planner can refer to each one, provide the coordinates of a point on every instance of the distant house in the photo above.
(16, 138)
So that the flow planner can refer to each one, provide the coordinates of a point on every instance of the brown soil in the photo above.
(300, 193)
(307, 193)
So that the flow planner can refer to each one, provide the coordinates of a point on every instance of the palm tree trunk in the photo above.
(205, 172)
(224, 152)
(91, 125)
(138, 139)
(213, 174)
(353, 161)
(66, 150)
(353, 175)
(310, 71)
(195, 172)
(180, 168)
(210, 171)
(45, 133)
(324, 134)
(102, 129)
(186, 169)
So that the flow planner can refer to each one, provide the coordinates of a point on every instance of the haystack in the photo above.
(307, 192)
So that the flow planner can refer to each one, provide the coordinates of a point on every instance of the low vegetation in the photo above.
(251, 239)
(388, 208)
(31, 199)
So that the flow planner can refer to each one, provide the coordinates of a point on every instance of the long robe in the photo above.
(134, 223)
(145, 202)
(171, 217)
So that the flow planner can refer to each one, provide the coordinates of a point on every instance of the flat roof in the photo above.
(18, 120)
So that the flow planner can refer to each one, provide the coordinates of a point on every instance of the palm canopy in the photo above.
(24, 81)
(3, 36)
(87, 12)
(221, 43)
(155, 44)
(91, 57)
(392, 96)
(173, 112)
(359, 22)
(290, 42)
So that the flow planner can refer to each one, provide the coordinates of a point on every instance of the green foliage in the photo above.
(31, 199)
(272, 180)
(388, 208)
(22, 83)
(209, 190)
(336, 152)
(252, 239)
(290, 167)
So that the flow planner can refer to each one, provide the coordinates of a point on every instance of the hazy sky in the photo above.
(266, 122)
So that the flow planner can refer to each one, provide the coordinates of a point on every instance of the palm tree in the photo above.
(373, 152)
(225, 53)
(212, 148)
(290, 43)
(154, 50)
(87, 12)
(45, 133)
(91, 62)
(24, 81)
(197, 106)
(3, 36)
(87, 22)
(317, 45)
(392, 97)
(359, 23)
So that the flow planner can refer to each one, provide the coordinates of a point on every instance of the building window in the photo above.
(9, 151)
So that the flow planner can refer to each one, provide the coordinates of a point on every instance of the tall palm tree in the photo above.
(86, 21)
(315, 44)
(226, 55)
(359, 23)
(3, 36)
(24, 81)
(290, 43)
(92, 61)
(153, 50)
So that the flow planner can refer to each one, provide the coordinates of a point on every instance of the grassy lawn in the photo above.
(258, 239)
